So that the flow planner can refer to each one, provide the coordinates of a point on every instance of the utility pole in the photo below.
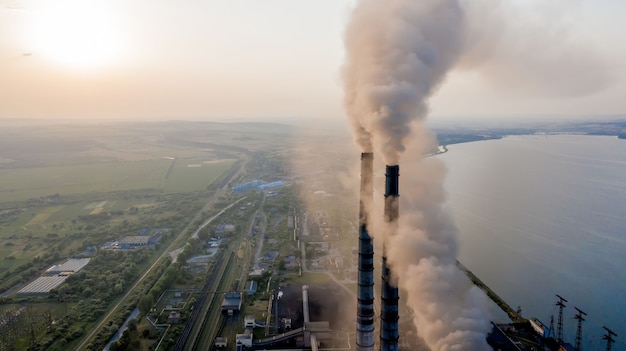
(559, 326)
(609, 338)
(579, 329)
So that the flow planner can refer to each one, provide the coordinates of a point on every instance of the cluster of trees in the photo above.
(113, 325)
(106, 333)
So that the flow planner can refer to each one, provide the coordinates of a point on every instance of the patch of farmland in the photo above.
(42, 216)
(186, 179)
(14, 248)
(96, 211)
(26, 183)
(69, 212)
(219, 161)
(125, 204)
(94, 205)
(147, 205)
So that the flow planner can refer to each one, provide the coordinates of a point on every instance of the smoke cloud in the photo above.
(398, 53)
(449, 312)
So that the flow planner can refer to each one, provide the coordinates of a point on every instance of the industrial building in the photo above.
(231, 302)
(257, 185)
(54, 276)
(42, 285)
(73, 265)
(133, 241)
(251, 287)
(243, 340)
(249, 322)
(247, 186)
(221, 343)
(174, 317)
(271, 185)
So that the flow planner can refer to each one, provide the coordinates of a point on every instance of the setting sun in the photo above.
(76, 34)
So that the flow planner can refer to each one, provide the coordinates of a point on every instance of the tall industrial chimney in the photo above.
(389, 304)
(365, 293)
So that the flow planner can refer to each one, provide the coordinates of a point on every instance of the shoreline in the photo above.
(443, 148)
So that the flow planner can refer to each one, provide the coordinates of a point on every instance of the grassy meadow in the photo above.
(30, 183)
(194, 174)
(186, 175)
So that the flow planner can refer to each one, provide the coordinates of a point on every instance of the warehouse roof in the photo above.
(42, 285)
(71, 265)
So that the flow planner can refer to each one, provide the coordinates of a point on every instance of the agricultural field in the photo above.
(194, 174)
(185, 175)
(21, 184)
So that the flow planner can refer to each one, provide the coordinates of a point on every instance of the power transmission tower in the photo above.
(579, 329)
(609, 338)
(559, 325)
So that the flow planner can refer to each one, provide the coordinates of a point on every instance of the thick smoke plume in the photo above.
(398, 53)
(448, 311)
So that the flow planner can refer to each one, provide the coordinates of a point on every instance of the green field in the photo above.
(194, 174)
(21, 184)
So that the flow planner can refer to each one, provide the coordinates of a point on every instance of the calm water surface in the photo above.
(546, 215)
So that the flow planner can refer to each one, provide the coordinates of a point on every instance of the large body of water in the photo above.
(546, 215)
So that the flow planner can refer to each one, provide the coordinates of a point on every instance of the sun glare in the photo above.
(77, 34)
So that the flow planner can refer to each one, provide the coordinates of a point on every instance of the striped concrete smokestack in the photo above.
(389, 304)
(365, 293)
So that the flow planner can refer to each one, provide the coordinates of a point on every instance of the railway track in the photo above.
(205, 338)
(191, 336)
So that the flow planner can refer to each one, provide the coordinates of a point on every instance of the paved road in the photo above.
(208, 221)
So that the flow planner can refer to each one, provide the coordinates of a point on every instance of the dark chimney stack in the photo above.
(389, 304)
(365, 293)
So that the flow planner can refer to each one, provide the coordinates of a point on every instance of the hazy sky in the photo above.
(245, 59)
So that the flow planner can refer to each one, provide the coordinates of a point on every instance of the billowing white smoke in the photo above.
(398, 52)
(449, 312)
